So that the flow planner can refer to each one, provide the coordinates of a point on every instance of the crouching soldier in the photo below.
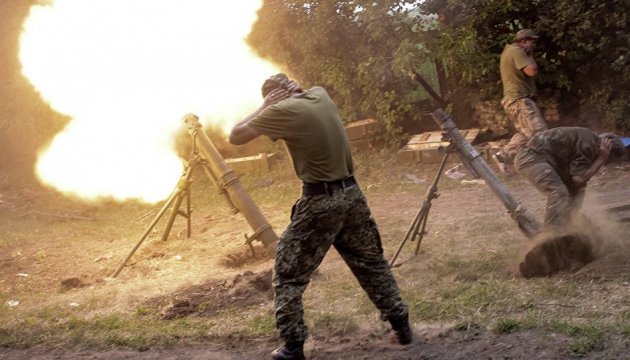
(560, 161)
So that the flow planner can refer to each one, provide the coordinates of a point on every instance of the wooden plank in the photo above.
(423, 147)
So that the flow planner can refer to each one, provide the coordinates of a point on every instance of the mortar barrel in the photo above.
(525, 220)
(228, 179)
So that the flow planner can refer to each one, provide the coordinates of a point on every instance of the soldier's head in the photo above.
(274, 82)
(617, 150)
(526, 39)
(277, 81)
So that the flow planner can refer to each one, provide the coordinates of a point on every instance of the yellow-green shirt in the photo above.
(516, 84)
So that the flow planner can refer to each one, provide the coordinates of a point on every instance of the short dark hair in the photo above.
(274, 82)
(617, 150)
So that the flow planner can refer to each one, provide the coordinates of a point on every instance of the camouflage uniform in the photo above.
(316, 139)
(527, 120)
(550, 160)
(519, 92)
(341, 219)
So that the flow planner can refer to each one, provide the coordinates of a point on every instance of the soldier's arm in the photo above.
(242, 133)
(525, 62)
(602, 159)
(531, 70)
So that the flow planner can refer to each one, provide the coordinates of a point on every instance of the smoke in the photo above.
(592, 233)
(126, 72)
(608, 233)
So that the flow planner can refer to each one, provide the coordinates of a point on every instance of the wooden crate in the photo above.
(262, 161)
(364, 129)
(424, 147)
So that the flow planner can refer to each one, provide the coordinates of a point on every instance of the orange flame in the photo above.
(126, 72)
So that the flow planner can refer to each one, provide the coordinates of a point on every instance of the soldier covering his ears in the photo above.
(332, 210)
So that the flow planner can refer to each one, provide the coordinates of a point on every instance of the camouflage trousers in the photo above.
(563, 203)
(341, 219)
(527, 120)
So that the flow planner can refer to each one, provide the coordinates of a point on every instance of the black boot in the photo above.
(402, 329)
(290, 351)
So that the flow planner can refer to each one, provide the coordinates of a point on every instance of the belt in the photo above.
(327, 187)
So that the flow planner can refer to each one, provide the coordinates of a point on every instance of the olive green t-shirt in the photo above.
(314, 134)
(516, 84)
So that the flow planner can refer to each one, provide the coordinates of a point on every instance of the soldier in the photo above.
(331, 211)
(560, 161)
(518, 69)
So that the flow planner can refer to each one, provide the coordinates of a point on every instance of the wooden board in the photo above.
(424, 147)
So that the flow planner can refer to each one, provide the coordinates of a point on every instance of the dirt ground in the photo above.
(430, 343)
(243, 281)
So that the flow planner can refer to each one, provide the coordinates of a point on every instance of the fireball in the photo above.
(125, 72)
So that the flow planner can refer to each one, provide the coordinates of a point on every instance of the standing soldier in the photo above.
(332, 210)
(518, 69)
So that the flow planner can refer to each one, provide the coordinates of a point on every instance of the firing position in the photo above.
(331, 211)
(518, 69)
(560, 162)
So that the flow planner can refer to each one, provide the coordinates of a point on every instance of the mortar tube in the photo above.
(229, 180)
(525, 220)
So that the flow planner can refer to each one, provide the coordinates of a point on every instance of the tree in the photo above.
(582, 53)
(350, 47)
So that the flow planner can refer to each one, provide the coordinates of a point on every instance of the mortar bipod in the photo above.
(182, 190)
(419, 223)
(205, 154)
(177, 196)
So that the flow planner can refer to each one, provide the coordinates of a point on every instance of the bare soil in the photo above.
(210, 271)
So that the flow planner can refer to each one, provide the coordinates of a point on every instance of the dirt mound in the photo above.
(243, 290)
(568, 252)
(249, 257)
(610, 268)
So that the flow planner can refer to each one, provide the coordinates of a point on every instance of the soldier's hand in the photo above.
(275, 96)
(604, 149)
(292, 86)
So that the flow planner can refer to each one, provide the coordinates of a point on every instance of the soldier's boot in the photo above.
(401, 328)
(289, 351)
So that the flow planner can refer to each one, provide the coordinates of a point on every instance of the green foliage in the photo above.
(334, 323)
(468, 268)
(467, 326)
(624, 324)
(587, 337)
(580, 41)
(459, 301)
(506, 326)
(262, 325)
(548, 287)
(355, 49)
(54, 327)
(364, 53)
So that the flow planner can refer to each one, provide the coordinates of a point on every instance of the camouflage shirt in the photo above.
(569, 150)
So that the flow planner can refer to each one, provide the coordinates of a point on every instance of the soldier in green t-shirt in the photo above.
(560, 161)
(518, 69)
(332, 210)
